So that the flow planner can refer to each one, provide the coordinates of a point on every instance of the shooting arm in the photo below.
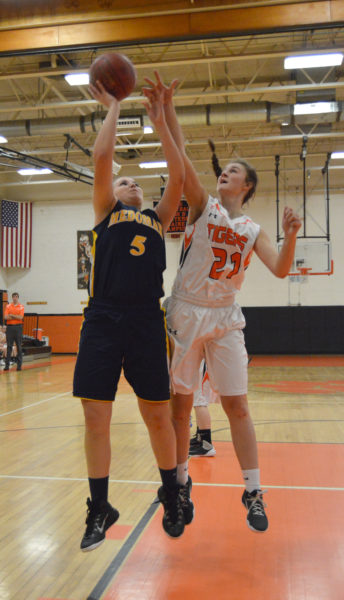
(103, 197)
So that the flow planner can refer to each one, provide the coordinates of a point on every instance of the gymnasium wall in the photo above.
(50, 287)
(52, 279)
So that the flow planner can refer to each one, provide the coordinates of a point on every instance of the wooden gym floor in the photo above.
(297, 404)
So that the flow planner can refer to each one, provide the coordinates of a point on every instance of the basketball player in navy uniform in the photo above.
(204, 320)
(124, 325)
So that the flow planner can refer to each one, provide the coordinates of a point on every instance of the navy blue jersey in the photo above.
(129, 257)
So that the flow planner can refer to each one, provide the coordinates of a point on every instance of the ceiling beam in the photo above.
(57, 72)
(180, 97)
(174, 24)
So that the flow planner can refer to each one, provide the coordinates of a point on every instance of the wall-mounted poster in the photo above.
(180, 218)
(179, 221)
(84, 258)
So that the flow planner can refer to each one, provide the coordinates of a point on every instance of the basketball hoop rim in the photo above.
(305, 271)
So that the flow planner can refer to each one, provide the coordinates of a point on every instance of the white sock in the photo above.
(182, 473)
(251, 479)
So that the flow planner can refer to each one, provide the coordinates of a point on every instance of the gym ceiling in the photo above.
(233, 88)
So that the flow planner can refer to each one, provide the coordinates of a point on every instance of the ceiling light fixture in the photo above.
(3, 140)
(313, 60)
(337, 155)
(77, 78)
(153, 165)
(34, 171)
(314, 108)
(147, 129)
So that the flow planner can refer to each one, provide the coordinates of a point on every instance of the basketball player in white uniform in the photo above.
(201, 443)
(204, 319)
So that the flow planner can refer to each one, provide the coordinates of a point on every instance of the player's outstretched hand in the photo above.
(154, 106)
(166, 90)
(100, 94)
(291, 222)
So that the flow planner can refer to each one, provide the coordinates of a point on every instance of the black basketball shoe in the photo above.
(195, 440)
(256, 517)
(203, 448)
(173, 520)
(186, 502)
(99, 518)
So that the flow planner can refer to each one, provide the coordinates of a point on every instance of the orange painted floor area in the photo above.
(304, 387)
(300, 557)
(297, 361)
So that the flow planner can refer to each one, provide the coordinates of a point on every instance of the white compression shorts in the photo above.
(213, 334)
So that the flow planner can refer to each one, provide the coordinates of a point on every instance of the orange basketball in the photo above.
(116, 72)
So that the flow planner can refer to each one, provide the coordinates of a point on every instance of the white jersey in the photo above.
(215, 254)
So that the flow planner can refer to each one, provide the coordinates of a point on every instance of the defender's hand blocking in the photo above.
(166, 90)
(291, 222)
(154, 106)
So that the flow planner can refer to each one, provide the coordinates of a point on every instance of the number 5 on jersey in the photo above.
(137, 246)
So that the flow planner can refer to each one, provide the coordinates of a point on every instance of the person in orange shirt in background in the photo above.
(14, 315)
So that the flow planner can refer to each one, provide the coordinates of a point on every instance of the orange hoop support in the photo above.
(304, 271)
(308, 271)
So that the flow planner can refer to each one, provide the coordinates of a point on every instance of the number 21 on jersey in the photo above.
(220, 255)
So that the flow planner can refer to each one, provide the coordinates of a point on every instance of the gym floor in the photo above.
(297, 404)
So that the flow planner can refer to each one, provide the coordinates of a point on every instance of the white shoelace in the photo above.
(258, 504)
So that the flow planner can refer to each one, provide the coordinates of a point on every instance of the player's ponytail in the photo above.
(251, 173)
(214, 160)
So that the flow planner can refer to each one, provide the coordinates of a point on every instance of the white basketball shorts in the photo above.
(204, 395)
(210, 333)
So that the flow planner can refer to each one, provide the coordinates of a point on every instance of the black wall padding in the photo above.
(294, 329)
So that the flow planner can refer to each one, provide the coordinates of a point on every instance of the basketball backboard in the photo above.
(313, 255)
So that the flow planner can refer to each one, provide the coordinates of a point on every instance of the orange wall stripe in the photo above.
(63, 331)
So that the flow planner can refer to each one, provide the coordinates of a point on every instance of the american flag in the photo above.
(16, 234)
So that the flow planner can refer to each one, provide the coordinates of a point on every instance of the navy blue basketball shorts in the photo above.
(132, 338)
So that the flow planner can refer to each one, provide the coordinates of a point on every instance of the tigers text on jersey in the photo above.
(128, 257)
(215, 253)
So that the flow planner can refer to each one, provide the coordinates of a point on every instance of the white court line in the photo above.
(140, 482)
(34, 404)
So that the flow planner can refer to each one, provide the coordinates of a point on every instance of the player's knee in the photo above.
(240, 412)
(180, 413)
(236, 407)
(95, 427)
(97, 418)
(181, 406)
(157, 421)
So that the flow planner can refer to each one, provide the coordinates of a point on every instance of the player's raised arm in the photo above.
(169, 202)
(194, 191)
(279, 263)
(103, 196)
